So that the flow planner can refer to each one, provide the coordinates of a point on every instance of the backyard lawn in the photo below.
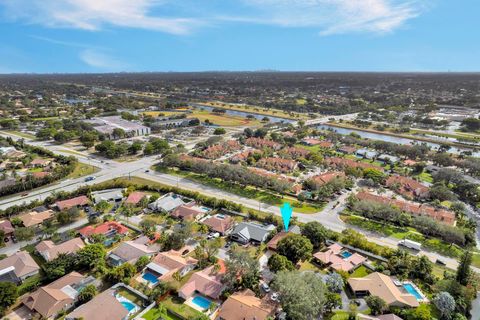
(360, 272)
(156, 313)
(176, 305)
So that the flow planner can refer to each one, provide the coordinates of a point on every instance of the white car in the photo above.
(275, 297)
(265, 287)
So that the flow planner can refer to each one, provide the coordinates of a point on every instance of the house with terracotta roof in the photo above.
(277, 164)
(34, 218)
(108, 229)
(165, 264)
(219, 150)
(207, 282)
(135, 197)
(347, 149)
(103, 306)
(18, 267)
(49, 251)
(441, 215)
(316, 142)
(272, 244)
(243, 156)
(327, 177)
(40, 174)
(294, 152)
(190, 211)
(342, 163)
(130, 251)
(261, 143)
(383, 286)
(79, 201)
(220, 223)
(6, 227)
(57, 296)
(40, 163)
(407, 187)
(338, 258)
(244, 305)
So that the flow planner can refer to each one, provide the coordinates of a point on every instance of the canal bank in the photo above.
(455, 148)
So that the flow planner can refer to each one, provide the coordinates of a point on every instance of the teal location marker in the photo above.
(286, 211)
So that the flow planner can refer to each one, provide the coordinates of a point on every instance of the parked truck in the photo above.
(410, 244)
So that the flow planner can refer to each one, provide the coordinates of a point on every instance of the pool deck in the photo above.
(424, 299)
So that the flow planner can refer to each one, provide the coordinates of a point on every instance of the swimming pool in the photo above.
(202, 302)
(411, 289)
(150, 278)
(346, 254)
(128, 305)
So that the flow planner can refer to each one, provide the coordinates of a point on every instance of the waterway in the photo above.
(399, 140)
(244, 114)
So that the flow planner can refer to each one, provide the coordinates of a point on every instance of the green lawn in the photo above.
(21, 134)
(130, 296)
(360, 272)
(308, 266)
(155, 313)
(81, 170)
(176, 305)
(425, 177)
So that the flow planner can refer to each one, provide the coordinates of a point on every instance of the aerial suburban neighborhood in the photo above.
(119, 203)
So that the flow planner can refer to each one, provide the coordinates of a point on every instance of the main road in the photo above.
(110, 169)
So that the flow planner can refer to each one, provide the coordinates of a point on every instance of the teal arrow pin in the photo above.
(286, 211)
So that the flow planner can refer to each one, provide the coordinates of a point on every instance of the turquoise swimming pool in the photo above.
(346, 254)
(411, 289)
(150, 278)
(128, 305)
(202, 302)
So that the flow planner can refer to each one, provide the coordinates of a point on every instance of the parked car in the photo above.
(91, 178)
(275, 297)
(24, 194)
(440, 262)
(265, 287)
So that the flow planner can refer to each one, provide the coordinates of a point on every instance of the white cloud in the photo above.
(95, 14)
(336, 16)
(102, 61)
(184, 16)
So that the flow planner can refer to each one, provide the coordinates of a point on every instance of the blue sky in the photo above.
(48, 36)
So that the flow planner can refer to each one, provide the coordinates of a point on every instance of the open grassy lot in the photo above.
(21, 134)
(82, 169)
(224, 120)
(360, 272)
(162, 113)
(425, 177)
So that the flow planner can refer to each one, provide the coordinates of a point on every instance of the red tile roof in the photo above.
(441, 215)
(219, 224)
(407, 186)
(104, 228)
(342, 163)
(260, 143)
(74, 202)
(325, 178)
(135, 197)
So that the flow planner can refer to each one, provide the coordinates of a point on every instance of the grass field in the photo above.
(156, 313)
(82, 169)
(163, 113)
(425, 177)
(360, 272)
(224, 120)
(21, 134)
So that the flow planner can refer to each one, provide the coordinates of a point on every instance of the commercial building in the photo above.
(107, 125)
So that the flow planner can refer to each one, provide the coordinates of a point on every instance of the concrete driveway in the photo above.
(21, 313)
